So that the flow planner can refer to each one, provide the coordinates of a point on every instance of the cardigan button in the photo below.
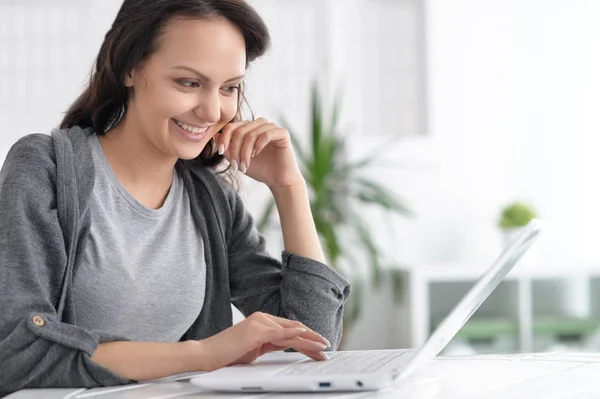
(38, 321)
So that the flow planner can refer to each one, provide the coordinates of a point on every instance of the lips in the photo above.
(191, 128)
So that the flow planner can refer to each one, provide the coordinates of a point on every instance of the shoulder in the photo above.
(35, 151)
(36, 144)
(34, 158)
(30, 155)
(28, 175)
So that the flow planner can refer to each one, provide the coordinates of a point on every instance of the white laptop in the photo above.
(366, 370)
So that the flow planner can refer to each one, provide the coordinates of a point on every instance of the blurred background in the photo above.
(442, 127)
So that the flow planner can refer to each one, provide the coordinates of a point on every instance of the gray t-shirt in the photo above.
(143, 275)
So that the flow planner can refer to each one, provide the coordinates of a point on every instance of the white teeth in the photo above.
(191, 129)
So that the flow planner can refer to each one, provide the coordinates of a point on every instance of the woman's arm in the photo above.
(301, 287)
(242, 343)
(148, 360)
(299, 233)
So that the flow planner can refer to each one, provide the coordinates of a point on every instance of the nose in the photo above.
(209, 108)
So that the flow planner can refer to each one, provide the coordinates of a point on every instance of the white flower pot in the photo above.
(509, 235)
(531, 258)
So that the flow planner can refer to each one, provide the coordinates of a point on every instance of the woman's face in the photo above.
(188, 89)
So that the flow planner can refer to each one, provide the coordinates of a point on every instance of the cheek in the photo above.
(174, 103)
(163, 102)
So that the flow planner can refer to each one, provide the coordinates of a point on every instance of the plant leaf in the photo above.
(397, 277)
(316, 119)
(373, 193)
(335, 113)
(378, 152)
(324, 161)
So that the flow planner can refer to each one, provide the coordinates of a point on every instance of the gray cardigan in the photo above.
(45, 187)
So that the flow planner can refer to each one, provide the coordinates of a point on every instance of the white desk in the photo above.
(547, 376)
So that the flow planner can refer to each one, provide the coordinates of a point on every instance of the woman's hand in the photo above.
(262, 150)
(258, 334)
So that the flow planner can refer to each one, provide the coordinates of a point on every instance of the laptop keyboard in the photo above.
(344, 363)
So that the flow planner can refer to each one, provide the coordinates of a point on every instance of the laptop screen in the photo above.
(474, 298)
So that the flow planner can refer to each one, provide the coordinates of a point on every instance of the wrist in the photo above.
(292, 187)
(195, 356)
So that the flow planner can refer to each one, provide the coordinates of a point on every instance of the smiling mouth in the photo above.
(190, 128)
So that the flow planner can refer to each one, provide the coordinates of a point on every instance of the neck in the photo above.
(145, 171)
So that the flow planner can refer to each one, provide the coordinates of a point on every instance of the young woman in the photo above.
(122, 247)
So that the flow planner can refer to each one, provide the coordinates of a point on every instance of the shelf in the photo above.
(564, 326)
(483, 327)
(543, 307)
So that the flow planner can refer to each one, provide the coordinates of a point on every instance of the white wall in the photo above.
(46, 53)
(514, 98)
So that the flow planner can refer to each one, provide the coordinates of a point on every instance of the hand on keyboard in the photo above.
(258, 334)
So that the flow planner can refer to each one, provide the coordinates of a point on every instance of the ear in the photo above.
(129, 79)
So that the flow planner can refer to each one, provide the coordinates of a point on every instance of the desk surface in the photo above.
(551, 376)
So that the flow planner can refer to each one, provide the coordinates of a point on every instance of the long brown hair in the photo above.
(134, 37)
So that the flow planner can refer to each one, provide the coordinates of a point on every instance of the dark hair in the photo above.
(134, 37)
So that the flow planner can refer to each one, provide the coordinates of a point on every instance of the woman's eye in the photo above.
(188, 83)
(231, 89)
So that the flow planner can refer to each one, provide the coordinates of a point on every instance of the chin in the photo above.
(187, 155)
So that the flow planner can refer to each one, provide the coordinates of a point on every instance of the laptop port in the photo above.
(252, 389)
(324, 384)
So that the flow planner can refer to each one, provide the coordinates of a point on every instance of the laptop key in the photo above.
(343, 363)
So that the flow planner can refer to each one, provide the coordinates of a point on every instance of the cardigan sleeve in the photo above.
(37, 350)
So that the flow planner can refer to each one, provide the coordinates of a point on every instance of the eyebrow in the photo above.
(203, 76)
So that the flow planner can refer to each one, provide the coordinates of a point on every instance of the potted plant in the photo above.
(340, 190)
(513, 218)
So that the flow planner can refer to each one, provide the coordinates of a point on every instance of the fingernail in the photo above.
(221, 149)
(326, 341)
(243, 167)
(325, 356)
(320, 345)
(253, 153)
(301, 329)
(234, 164)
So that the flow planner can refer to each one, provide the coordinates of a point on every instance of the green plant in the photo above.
(340, 192)
(515, 215)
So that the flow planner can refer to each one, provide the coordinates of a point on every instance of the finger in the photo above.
(274, 136)
(257, 330)
(225, 136)
(281, 334)
(238, 135)
(318, 356)
(301, 344)
(308, 334)
(248, 144)
(251, 125)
